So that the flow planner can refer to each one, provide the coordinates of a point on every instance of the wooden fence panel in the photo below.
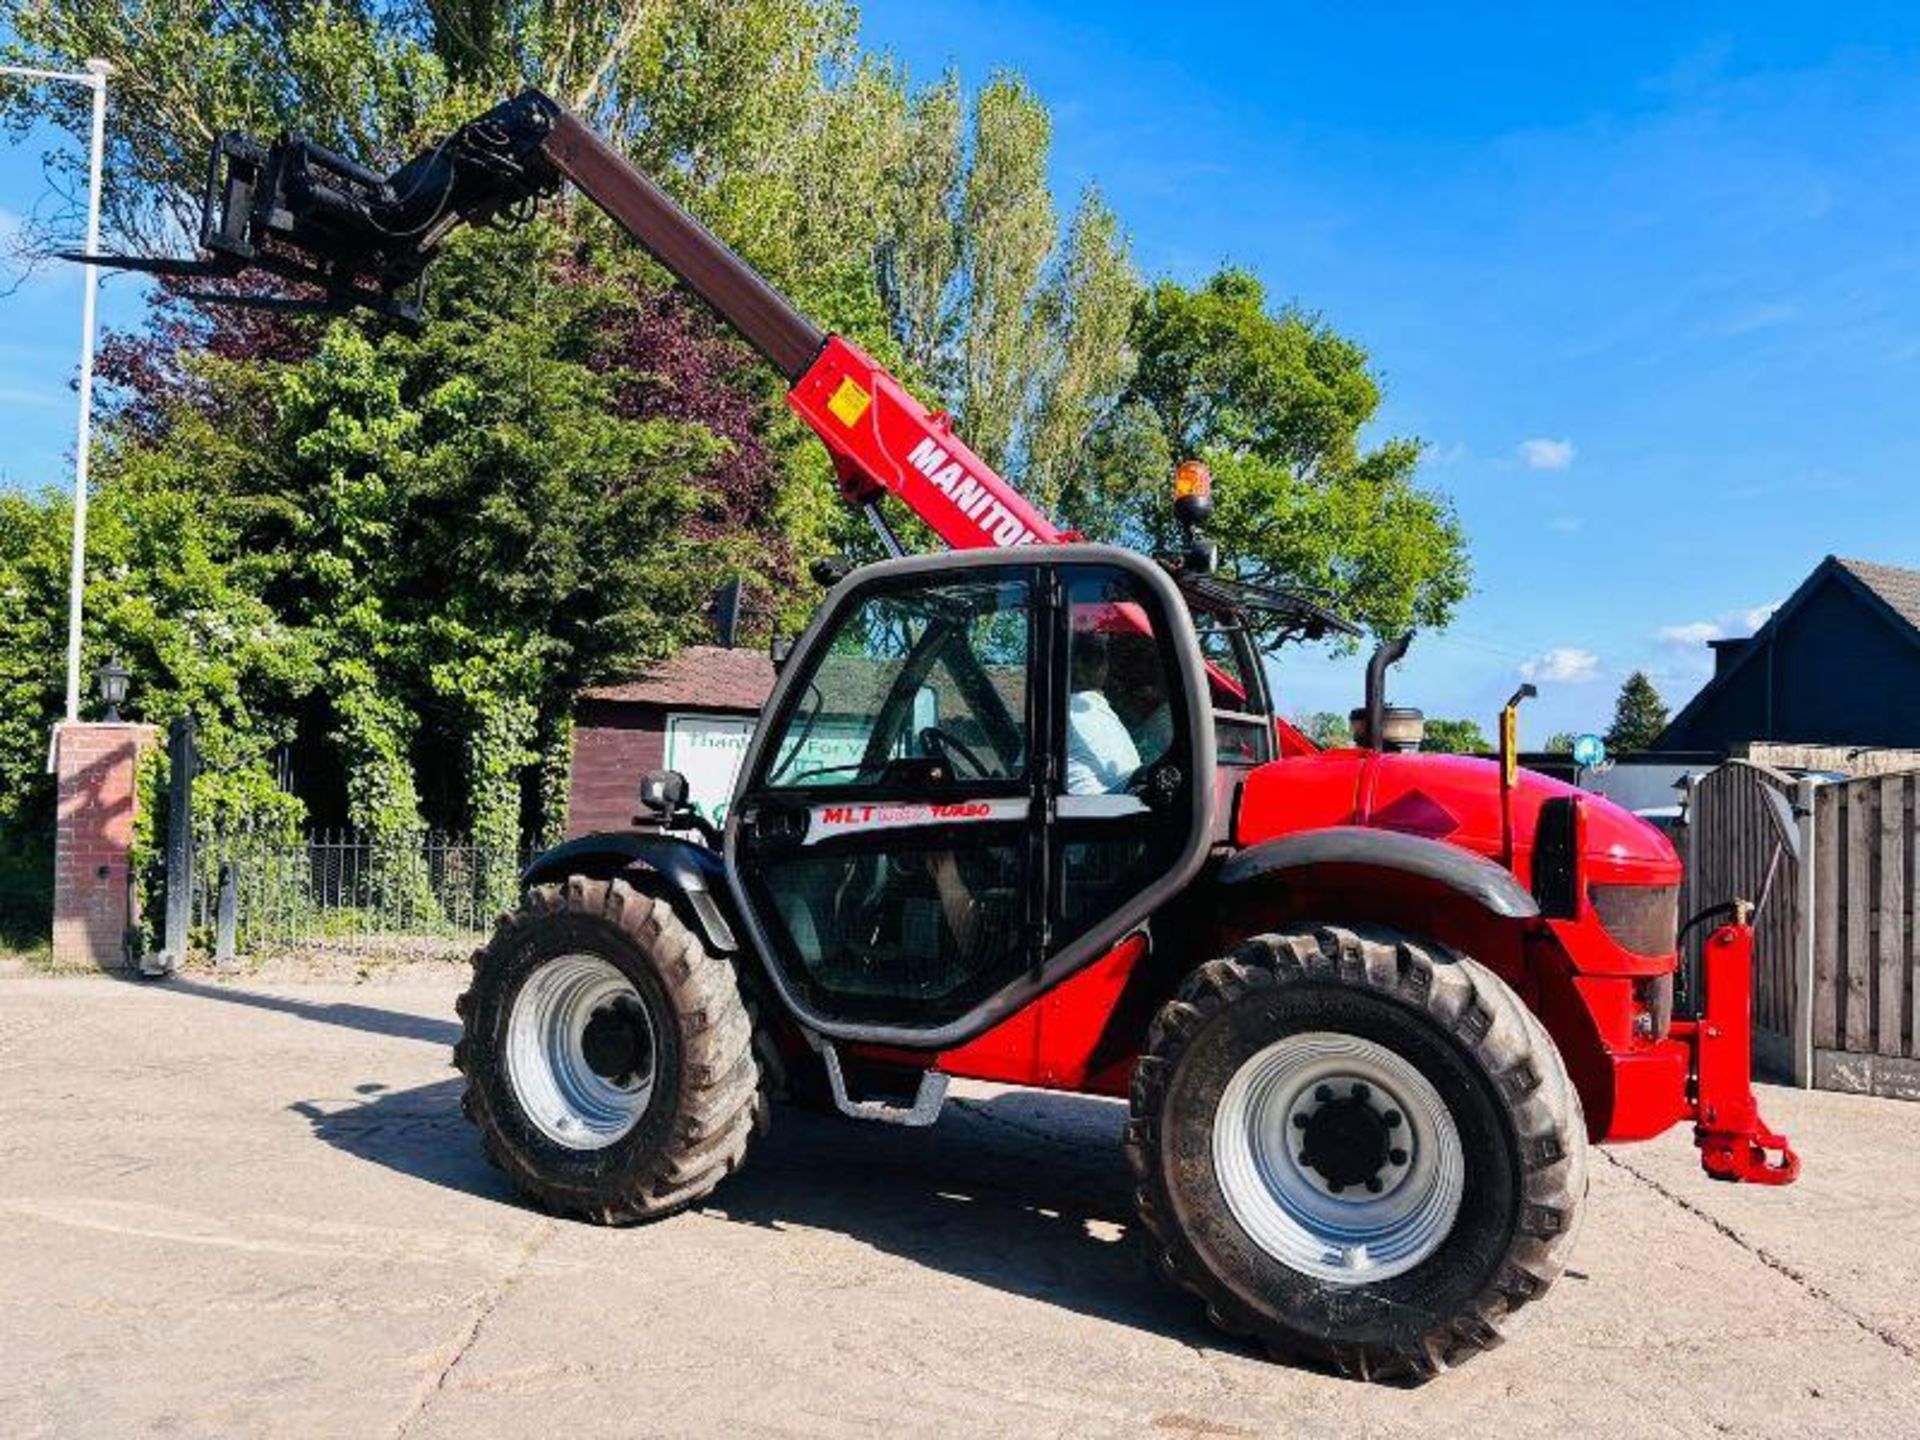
(1827, 840)
(1890, 869)
(1866, 887)
(1857, 857)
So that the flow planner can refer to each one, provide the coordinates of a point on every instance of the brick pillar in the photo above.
(96, 766)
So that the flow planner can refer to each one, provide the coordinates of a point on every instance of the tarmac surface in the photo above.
(232, 1209)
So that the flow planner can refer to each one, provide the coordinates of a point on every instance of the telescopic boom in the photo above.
(298, 211)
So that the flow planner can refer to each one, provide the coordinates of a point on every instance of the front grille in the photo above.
(1640, 918)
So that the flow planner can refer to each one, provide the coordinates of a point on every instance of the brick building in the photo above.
(694, 714)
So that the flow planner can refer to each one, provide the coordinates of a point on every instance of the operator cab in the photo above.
(977, 774)
(1232, 620)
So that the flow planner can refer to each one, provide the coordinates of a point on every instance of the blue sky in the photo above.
(1644, 278)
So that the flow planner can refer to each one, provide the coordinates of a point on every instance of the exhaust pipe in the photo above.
(1388, 654)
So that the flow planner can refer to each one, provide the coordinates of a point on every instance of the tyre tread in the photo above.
(720, 1096)
(1492, 1023)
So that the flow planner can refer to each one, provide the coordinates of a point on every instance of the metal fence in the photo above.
(342, 890)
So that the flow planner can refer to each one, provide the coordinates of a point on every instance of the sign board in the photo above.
(1589, 751)
(708, 749)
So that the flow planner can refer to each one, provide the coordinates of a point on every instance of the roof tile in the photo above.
(709, 676)
(1900, 588)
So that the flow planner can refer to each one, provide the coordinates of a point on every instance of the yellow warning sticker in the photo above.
(849, 402)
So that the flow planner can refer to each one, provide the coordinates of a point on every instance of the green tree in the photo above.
(1007, 230)
(1560, 743)
(1276, 402)
(1455, 737)
(1326, 728)
(1639, 715)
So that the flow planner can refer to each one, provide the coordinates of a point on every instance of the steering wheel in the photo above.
(1154, 783)
(947, 747)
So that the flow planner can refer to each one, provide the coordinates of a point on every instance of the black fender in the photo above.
(687, 867)
(1474, 876)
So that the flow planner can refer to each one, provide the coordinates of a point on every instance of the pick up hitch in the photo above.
(1735, 1143)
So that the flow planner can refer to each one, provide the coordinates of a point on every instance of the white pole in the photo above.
(77, 580)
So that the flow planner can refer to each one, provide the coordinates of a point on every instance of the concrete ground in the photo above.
(228, 1210)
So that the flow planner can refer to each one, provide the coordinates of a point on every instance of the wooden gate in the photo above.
(1728, 842)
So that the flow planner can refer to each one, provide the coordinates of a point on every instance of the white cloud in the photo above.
(1689, 635)
(1544, 454)
(1566, 524)
(1695, 634)
(1564, 664)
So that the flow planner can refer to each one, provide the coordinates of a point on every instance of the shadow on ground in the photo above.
(367, 1018)
(1025, 1192)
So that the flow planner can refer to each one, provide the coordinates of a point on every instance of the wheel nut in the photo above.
(1373, 1185)
(1360, 1091)
(1397, 1156)
(1392, 1117)
(1323, 1093)
(1299, 1122)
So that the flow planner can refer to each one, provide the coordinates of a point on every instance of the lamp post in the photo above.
(94, 77)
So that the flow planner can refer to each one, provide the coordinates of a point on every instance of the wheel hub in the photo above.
(580, 1051)
(1338, 1157)
(617, 1043)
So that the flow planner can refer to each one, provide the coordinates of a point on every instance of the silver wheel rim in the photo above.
(1345, 1234)
(562, 1095)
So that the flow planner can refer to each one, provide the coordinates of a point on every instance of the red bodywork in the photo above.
(1594, 996)
(1602, 1002)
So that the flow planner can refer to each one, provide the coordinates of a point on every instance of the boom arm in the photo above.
(300, 212)
(883, 441)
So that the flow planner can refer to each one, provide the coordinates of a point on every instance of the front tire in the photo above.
(608, 1058)
(1359, 1149)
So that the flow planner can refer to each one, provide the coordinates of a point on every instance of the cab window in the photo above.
(931, 676)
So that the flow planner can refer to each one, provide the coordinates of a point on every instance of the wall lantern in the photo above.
(112, 679)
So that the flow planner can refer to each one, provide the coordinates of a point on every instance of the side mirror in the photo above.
(663, 792)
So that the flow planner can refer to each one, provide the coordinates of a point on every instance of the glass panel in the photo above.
(1118, 720)
(915, 933)
(1225, 665)
(937, 674)
(1125, 722)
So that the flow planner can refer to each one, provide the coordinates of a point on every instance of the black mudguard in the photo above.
(687, 867)
(1489, 885)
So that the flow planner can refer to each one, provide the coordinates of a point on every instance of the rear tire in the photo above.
(1359, 1149)
(608, 1058)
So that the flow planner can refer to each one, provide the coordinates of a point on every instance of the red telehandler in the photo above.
(1023, 811)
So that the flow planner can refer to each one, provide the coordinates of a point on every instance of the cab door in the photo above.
(946, 811)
